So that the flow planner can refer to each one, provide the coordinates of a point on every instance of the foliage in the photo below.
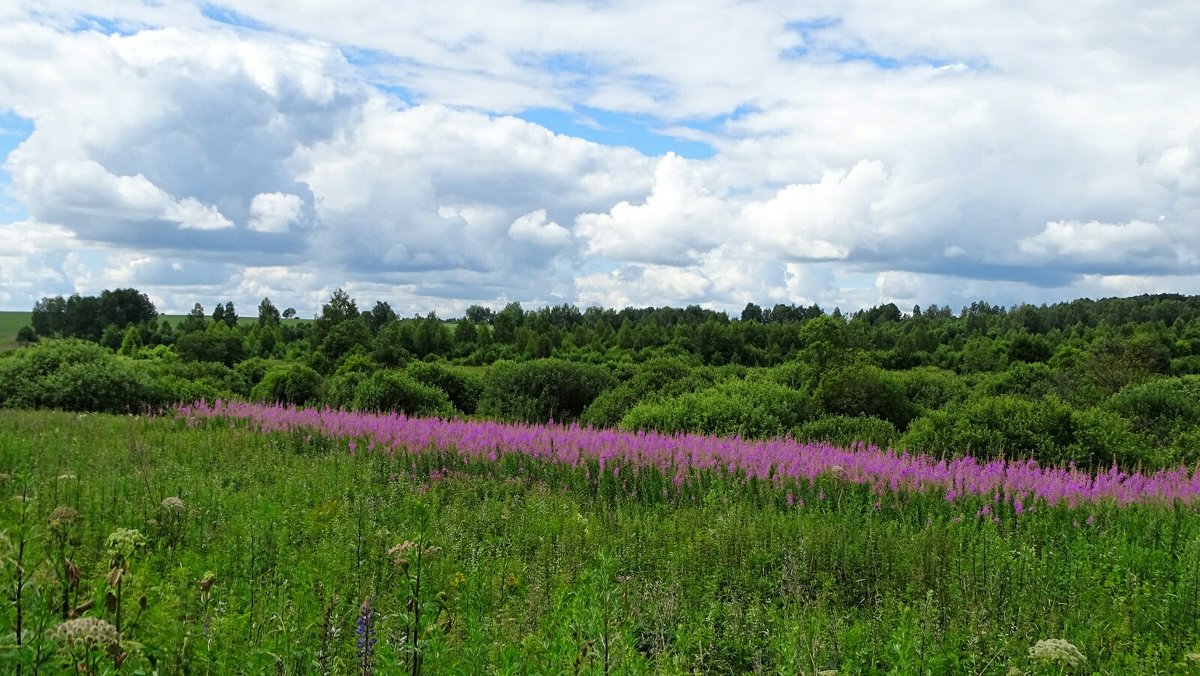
(397, 391)
(751, 409)
(1047, 430)
(865, 390)
(464, 388)
(846, 431)
(292, 384)
(542, 389)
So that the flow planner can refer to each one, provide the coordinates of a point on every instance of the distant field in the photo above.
(10, 323)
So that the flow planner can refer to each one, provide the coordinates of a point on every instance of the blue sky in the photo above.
(655, 153)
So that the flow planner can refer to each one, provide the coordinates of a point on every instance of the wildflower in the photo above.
(85, 632)
(173, 504)
(62, 520)
(365, 630)
(123, 542)
(1057, 650)
(206, 582)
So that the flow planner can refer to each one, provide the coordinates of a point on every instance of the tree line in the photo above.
(1088, 381)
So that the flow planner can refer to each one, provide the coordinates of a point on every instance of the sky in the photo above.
(437, 155)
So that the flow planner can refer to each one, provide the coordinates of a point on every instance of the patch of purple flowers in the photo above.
(682, 456)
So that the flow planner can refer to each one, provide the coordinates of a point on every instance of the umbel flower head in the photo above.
(85, 632)
(123, 542)
(173, 505)
(1051, 650)
(62, 520)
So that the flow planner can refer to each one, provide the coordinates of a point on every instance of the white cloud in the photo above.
(678, 222)
(1097, 242)
(861, 152)
(274, 211)
(535, 229)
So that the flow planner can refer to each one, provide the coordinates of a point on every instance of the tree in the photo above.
(341, 307)
(194, 321)
(268, 314)
(231, 317)
(289, 313)
(479, 314)
(49, 317)
(379, 316)
(753, 313)
(123, 307)
(218, 315)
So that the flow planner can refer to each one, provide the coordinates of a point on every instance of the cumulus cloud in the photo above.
(1096, 242)
(534, 228)
(679, 221)
(274, 211)
(857, 157)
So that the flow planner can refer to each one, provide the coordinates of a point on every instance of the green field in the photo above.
(10, 323)
(277, 553)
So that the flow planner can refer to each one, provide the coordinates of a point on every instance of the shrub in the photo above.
(73, 375)
(292, 384)
(542, 389)
(843, 430)
(930, 388)
(463, 387)
(751, 409)
(1047, 430)
(865, 390)
(659, 377)
(397, 391)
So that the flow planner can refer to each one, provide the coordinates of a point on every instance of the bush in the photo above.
(542, 389)
(659, 377)
(26, 335)
(750, 409)
(1160, 409)
(396, 391)
(463, 387)
(293, 384)
(843, 430)
(1047, 430)
(865, 390)
(930, 388)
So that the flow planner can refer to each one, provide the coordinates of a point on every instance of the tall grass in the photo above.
(300, 550)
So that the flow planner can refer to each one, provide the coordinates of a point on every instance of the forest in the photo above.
(1086, 382)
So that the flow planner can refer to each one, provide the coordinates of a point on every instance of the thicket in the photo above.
(1087, 381)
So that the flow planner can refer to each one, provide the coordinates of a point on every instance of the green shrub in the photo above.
(1047, 430)
(463, 387)
(751, 409)
(930, 388)
(397, 391)
(74, 375)
(542, 389)
(865, 390)
(843, 430)
(292, 384)
(659, 377)
(1160, 409)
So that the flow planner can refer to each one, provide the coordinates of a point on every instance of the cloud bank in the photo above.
(841, 153)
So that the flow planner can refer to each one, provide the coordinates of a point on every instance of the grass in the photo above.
(284, 558)
(10, 323)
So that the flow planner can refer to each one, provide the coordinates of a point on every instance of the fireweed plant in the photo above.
(676, 460)
(275, 540)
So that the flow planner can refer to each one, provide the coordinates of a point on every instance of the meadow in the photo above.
(10, 323)
(266, 539)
